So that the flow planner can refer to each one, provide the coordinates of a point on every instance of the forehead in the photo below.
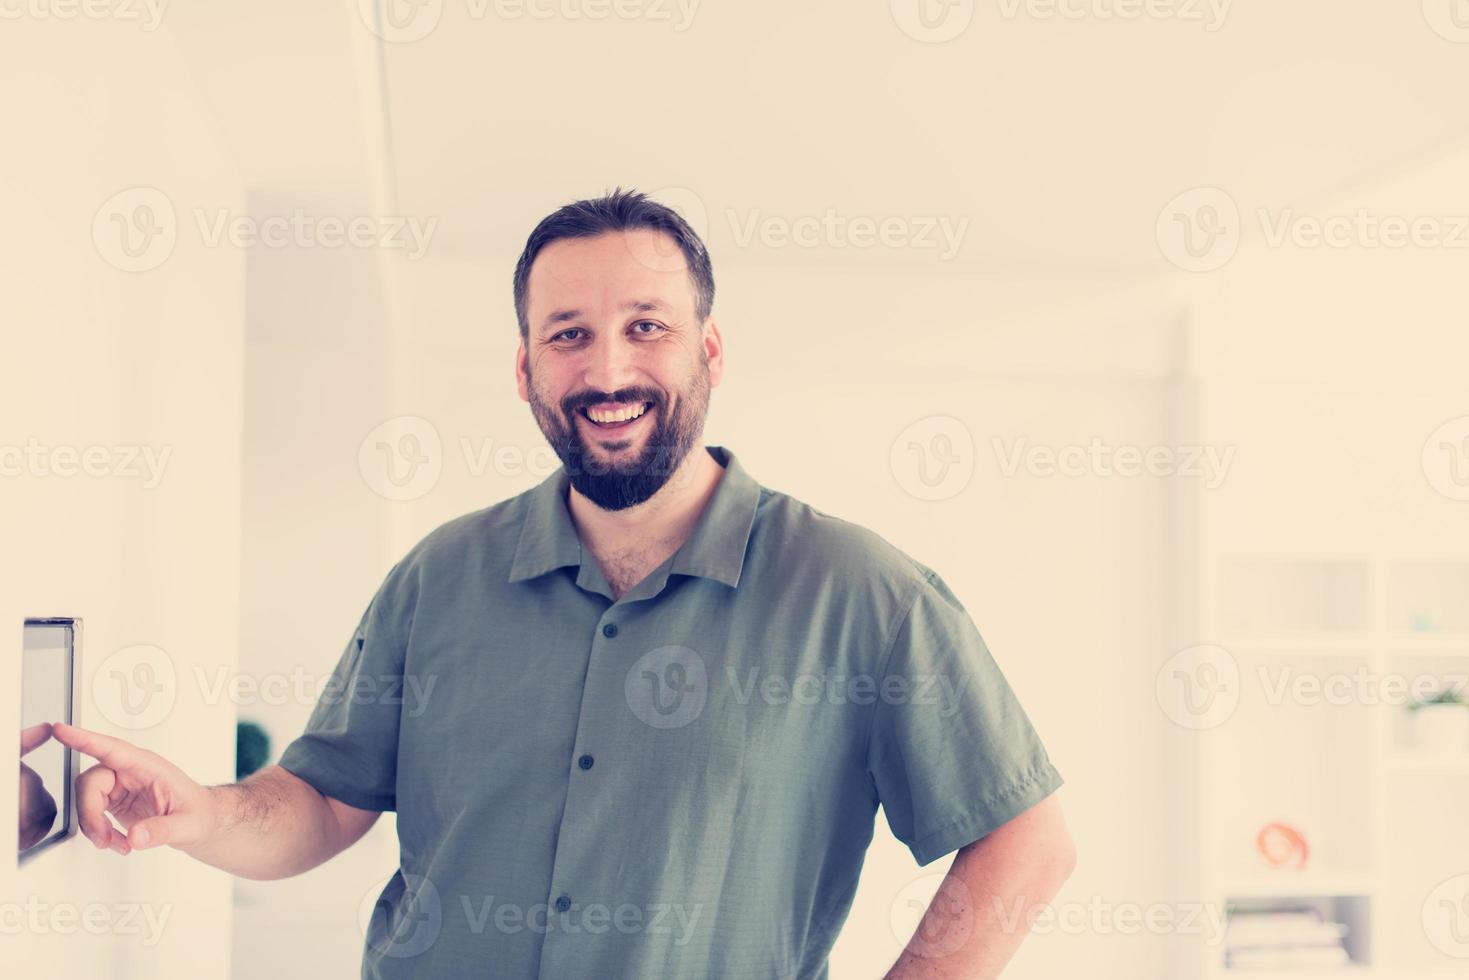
(601, 274)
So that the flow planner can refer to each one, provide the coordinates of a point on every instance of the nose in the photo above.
(611, 364)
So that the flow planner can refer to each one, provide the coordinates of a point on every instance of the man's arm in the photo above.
(274, 824)
(982, 911)
(271, 825)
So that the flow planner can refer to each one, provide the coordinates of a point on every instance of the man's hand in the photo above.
(153, 799)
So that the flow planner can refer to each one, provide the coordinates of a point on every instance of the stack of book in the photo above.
(1283, 939)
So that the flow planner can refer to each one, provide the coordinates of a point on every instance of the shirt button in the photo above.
(563, 903)
(610, 630)
(585, 762)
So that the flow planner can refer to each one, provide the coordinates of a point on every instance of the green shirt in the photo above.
(678, 783)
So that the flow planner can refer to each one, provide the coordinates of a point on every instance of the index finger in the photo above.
(34, 737)
(114, 752)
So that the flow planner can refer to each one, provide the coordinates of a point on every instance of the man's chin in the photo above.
(617, 449)
(616, 491)
(634, 462)
(615, 479)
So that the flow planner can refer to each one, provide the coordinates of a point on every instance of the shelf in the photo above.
(1353, 971)
(1351, 643)
(1426, 641)
(1305, 884)
(1445, 764)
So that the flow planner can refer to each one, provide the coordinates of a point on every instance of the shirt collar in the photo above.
(715, 549)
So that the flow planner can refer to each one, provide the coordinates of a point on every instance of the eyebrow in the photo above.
(632, 306)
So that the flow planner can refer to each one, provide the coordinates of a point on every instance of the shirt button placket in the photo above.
(585, 761)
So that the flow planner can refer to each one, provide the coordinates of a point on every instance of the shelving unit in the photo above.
(1327, 556)
(1328, 650)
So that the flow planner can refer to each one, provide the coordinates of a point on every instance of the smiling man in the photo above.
(664, 700)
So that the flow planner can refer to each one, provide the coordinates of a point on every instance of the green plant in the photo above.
(1448, 695)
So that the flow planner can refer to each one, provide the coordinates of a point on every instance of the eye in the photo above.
(650, 323)
(562, 334)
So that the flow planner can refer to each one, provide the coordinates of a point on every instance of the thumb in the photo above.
(174, 828)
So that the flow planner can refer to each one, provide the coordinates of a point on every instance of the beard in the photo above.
(625, 479)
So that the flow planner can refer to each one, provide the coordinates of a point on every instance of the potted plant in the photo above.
(252, 748)
(1441, 722)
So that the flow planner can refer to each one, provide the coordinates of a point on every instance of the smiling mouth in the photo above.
(615, 419)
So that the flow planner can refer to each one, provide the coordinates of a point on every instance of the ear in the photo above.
(714, 350)
(522, 369)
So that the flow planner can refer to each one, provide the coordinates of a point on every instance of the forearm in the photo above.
(985, 906)
(271, 825)
(971, 934)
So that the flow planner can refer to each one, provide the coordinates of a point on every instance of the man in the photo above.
(660, 702)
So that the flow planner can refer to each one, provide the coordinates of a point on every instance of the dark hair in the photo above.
(618, 210)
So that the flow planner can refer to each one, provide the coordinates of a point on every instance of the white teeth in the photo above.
(621, 415)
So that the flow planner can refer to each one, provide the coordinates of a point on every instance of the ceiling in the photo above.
(1052, 143)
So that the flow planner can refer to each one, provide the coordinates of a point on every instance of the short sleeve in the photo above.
(951, 752)
(349, 750)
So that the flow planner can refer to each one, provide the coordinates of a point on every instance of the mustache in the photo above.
(575, 403)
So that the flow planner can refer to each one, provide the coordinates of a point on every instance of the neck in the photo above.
(668, 517)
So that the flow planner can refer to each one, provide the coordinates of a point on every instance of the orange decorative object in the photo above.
(1282, 846)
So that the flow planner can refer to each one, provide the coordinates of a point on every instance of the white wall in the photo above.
(96, 356)
(314, 551)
